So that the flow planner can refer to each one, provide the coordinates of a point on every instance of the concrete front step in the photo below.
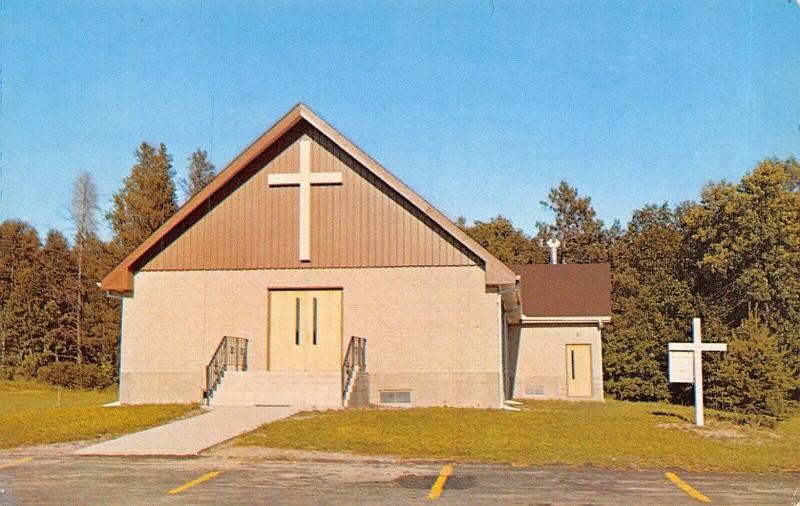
(307, 390)
(358, 393)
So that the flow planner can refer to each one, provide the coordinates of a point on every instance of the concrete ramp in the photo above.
(191, 435)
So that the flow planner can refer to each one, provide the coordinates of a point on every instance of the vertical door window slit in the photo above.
(572, 356)
(315, 321)
(297, 321)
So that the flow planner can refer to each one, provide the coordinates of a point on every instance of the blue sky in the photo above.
(479, 106)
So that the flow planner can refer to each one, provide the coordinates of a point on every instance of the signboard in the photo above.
(686, 365)
(681, 367)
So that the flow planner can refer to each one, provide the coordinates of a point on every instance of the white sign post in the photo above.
(680, 355)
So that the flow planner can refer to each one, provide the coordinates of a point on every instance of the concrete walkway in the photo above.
(191, 435)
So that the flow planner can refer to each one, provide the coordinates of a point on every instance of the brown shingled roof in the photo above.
(565, 289)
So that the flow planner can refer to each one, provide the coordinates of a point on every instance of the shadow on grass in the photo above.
(671, 415)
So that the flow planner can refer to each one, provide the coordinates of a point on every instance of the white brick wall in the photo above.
(429, 329)
(541, 360)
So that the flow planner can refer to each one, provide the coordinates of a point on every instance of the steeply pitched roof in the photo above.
(120, 279)
(565, 289)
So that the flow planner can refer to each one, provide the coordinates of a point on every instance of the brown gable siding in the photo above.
(360, 223)
(565, 289)
(120, 280)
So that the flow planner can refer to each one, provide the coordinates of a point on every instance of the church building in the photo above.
(306, 274)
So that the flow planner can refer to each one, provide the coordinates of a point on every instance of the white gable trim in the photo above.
(590, 320)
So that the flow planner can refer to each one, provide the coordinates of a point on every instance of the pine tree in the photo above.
(201, 172)
(58, 276)
(19, 245)
(145, 201)
(583, 237)
(101, 313)
(25, 319)
(751, 377)
(19, 263)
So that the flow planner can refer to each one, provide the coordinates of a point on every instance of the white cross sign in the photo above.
(678, 354)
(305, 179)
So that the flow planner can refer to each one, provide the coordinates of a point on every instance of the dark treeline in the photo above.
(55, 323)
(733, 258)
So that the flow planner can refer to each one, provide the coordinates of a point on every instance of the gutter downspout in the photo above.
(121, 299)
(502, 338)
(506, 385)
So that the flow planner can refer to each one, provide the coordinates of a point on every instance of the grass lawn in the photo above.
(609, 434)
(30, 414)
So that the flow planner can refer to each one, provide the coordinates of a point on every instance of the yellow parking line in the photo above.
(438, 485)
(17, 462)
(190, 484)
(686, 487)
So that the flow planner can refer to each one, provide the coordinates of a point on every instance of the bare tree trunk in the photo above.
(83, 209)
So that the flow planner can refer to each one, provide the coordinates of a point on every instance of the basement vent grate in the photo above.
(535, 391)
(396, 397)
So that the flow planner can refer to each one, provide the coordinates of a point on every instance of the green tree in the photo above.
(24, 318)
(652, 304)
(59, 272)
(201, 172)
(19, 268)
(508, 244)
(583, 237)
(19, 246)
(752, 377)
(101, 313)
(145, 201)
(745, 248)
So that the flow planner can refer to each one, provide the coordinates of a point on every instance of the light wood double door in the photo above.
(305, 330)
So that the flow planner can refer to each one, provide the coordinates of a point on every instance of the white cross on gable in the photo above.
(697, 347)
(305, 179)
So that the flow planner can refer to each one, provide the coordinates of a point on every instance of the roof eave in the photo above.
(118, 281)
(594, 319)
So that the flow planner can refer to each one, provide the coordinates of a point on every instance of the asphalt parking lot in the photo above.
(63, 479)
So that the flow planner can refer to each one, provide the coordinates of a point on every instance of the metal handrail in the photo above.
(355, 358)
(231, 353)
